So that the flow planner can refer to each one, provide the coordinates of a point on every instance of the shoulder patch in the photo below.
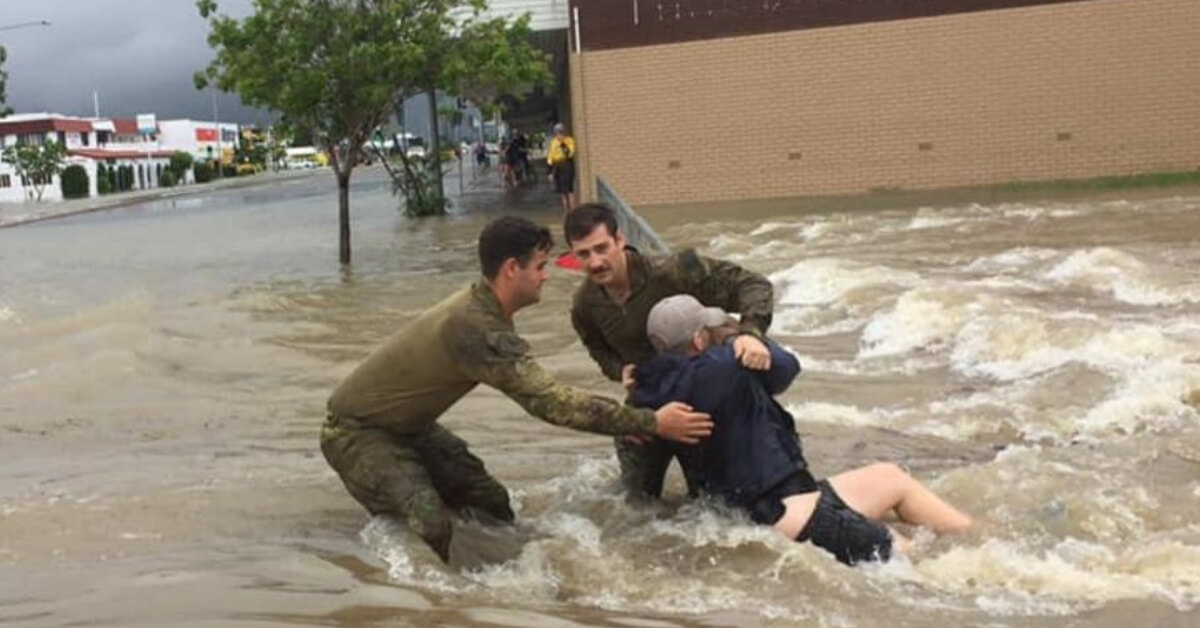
(506, 343)
(691, 264)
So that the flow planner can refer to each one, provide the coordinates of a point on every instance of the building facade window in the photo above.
(31, 139)
(5, 181)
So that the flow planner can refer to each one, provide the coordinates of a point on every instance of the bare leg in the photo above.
(797, 510)
(875, 489)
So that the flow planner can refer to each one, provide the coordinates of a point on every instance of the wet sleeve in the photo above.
(500, 359)
(785, 366)
(730, 287)
(597, 347)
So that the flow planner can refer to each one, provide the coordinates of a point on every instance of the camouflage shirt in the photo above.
(615, 335)
(406, 384)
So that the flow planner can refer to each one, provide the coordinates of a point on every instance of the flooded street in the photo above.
(164, 369)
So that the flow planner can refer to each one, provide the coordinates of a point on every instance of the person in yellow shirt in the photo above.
(561, 158)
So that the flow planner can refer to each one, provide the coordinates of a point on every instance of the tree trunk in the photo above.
(343, 179)
(435, 159)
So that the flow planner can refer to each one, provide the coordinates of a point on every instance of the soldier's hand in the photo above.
(677, 421)
(752, 352)
(627, 379)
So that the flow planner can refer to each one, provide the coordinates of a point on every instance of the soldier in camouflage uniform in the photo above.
(382, 436)
(611, 306)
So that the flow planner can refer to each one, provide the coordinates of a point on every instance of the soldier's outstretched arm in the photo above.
(500, 359)
(524, 381)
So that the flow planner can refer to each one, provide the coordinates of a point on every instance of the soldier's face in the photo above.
(529, 279)
(602, 254)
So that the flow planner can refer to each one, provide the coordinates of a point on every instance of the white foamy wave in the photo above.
(409, 560)
(725, 244)
(821, 412)
(815, 231)
(8, 315)
(814, 321)
(827, 280)
(1018, 210)
(1011, 261)
(1150, 398)
(1005, 283)
(1013, 345)
(927, 218)
(768, 227)
(1127, 278)
(926, 317)
(1074, 575)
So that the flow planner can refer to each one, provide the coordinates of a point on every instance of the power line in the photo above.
(24, 24)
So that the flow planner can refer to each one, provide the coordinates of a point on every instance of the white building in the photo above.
(204, 140)
(115, 143)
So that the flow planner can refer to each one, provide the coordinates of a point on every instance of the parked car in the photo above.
(416, 148)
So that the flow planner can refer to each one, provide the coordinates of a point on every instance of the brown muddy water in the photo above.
(163, 371)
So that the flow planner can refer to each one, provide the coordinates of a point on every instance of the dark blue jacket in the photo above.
(754, 445)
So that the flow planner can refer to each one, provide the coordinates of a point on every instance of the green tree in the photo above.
(337, 68)
(37, 165)
(4, 110)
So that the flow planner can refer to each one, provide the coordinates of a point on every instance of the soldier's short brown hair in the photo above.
(511, 237)
(581, 221)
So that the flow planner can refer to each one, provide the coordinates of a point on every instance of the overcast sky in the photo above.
(139, 55)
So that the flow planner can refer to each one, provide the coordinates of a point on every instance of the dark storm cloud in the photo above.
(139, 55)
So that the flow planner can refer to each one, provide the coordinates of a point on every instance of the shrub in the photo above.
(228, 170)
(103, 184)
(180, 162)
(75, 182)
(167, 180)
(203, 172)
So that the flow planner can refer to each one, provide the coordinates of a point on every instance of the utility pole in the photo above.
(217, 125)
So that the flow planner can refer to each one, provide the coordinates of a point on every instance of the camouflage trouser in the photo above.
(421, 480)
(643, 467)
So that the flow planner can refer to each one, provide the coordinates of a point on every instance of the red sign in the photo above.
(206, 135)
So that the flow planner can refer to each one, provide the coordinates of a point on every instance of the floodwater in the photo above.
(163, 371)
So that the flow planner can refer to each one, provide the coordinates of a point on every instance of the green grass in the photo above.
(1151, 180)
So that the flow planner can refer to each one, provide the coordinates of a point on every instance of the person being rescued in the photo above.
(753, 460)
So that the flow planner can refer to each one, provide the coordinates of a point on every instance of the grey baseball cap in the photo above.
(674, 320)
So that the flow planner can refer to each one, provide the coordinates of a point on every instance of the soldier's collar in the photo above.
(637, 267)
(482, 293)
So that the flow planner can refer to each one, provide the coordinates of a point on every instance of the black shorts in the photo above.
(844, 532)
(834, 525)
(564, 177)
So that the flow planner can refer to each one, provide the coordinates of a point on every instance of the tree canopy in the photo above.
(338, 68)
(36, 164)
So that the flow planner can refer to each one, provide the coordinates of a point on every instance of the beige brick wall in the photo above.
(846, 110)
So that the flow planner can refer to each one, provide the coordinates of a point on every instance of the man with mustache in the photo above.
(610, 309)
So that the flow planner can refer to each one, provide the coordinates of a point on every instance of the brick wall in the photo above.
(1070, 90)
